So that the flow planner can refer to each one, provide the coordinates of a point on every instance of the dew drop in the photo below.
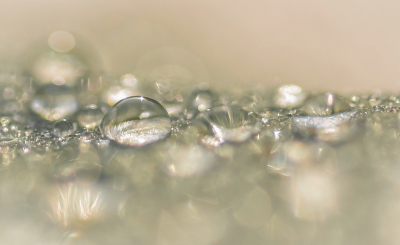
(325, 104)
(63, 128)
(231, 123)
(136, 121)
(202, 100)
(52, 102)
(328, 118)
(199, 101)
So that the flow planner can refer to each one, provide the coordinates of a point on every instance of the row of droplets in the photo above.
(136, 119)
(140, 120)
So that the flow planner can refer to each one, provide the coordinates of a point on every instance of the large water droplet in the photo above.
(136, 121)
(231, 123)
(63, 128)
(53, 102)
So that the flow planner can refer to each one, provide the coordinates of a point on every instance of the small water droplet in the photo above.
(199, 101)
(52, 102)
(63, 128)
(202, 99)
(231, 123)
(136, 121)
(325, 104)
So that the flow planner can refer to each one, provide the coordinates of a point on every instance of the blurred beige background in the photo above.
(336, 45)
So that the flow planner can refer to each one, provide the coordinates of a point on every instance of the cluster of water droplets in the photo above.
(124, 159)
(224, 155)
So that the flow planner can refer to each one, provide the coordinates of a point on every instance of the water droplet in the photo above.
(329, 118)
(136, 121)
(289, 96)
(53, 102)
(202, 100)
(231, 123)
(251, 101)
(63, 128)
(333, 128)
(325, 104)
(199, 101)
(91, 116)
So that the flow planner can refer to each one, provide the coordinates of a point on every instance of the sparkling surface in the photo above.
(136, 121)
(281, 166)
